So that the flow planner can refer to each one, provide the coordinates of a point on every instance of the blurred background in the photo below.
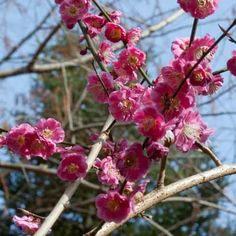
(42, 74)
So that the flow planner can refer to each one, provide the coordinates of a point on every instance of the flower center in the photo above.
(47, 133)
(20, 140)
(149, 123)
(72, 168)
(133, 61)
(202, 3)
(116, 34)
(130, 161)
(192, 131)
(113, 205)
(126, 105)
(72, 11)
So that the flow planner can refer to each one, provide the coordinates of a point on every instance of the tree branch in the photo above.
(157, 196)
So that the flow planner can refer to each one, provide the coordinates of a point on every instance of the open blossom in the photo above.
(133, 164)
(122, 104)
(199, 8)
(214, 85)
(73, 10)
(112, 207)
(133, 35)
(51, 130)
(73, 150)
(150, 122)
(108, 173)
(190, 129)
(179, 46)
(28, 224)
(94, 21)
(171, 107)
(72, 167)
(115, 32)
(156, 151)
(115, 16)
(105, 52)
(129, 61)
(198, 47)
(96, 88)
(231, 64)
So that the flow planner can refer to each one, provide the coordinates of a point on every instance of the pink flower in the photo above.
(112, 207)
(108, 174)
(73, 10)
(133, 35)
(115, 32)
(133, 165)
(198, 47)
(171, 107)
(96, 88)
(74, 150)
(28, 224)
(231, 64)
(94, 21)
(115, 16)
(214, 85)
(16, 139)
(156, 151)
(51, 130)
(122, 104)
(105, 52)
(130, 59)
(179, 46)
(190, 129)
(199, 9)
(72, 167)
(202, 8)
(150, 122)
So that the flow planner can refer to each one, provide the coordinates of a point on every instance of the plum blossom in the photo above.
(190, 129)
(150, 122)
(133, 164)
(156, 151)
(112, 207)
(51, 130)
(73, 10)
(115, 32)
(231, 64)
(28, 224)
(95, 86)
(105, 52)
(133, 35)
(72, 167)
(107, 173)
(199, 9)
(122, 104)
(171, 107)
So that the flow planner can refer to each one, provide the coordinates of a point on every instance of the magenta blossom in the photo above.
(130, 59)
(96, 88)
(133, 35)
(28, 224)
(72, 167)
(112, 207)
(105, 52)
(171, 107)
(231, 64)
(122, 104)
(199, 9)
(115, 32)
(156, 151)
(73, 10)
(133, 165)
(179, 46)
(190, 129)
(51, 130)
(150, 122)
(108, 173)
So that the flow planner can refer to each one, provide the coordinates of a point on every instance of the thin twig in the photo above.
(209, 152)
(193, 32)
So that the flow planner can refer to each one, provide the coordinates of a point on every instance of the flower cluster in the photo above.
(164, 113)
(39, 140)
